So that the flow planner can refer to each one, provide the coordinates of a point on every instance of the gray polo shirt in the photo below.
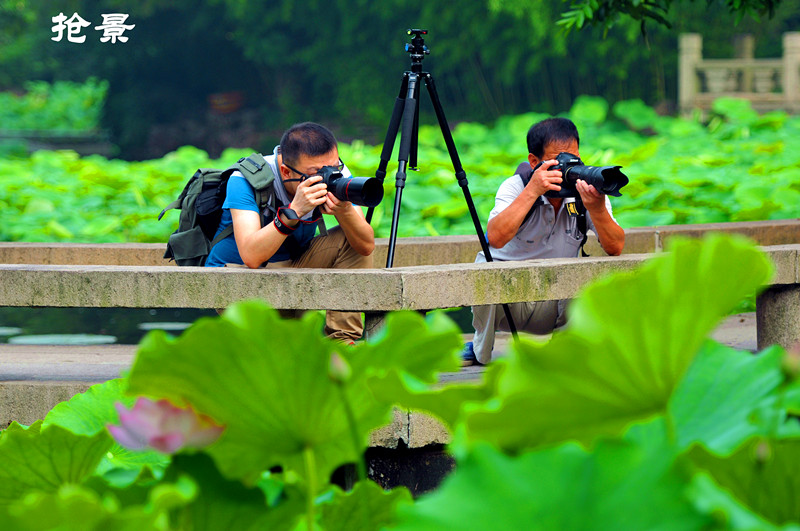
(545, 234)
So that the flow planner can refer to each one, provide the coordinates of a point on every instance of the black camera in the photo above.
(366, 191)
(607, 179)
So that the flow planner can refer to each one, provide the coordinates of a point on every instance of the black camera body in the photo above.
(365, 191)
(606, 179)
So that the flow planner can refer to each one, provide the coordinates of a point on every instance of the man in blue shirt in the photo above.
(288, 239)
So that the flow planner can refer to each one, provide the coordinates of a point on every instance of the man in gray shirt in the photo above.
(525, 224)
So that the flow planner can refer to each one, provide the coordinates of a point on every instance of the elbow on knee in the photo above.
(366, 250)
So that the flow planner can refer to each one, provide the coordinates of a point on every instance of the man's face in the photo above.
(552, 149)
(308, 165)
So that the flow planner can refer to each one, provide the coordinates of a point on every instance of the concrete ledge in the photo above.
(28, 401)
(368, 290)
(408, 251)
(374, 290)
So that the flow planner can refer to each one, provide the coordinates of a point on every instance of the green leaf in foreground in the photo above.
(763, 474)
(225, 504)
(614, 487)
(711, 499)
(73, 507)
(89, 412)
(365, 508)
(716, 404)
(629, 342)
(267, 381)
(37, 459)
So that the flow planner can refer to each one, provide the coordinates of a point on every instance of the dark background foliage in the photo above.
(340, 62)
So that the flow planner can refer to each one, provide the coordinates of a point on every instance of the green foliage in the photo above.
(43, 459)
(62, 106)
(627, 419)
(566, 487)
(309, 434)
(514, 60)
(741, 166)
(606, 374)
(606, 13)
(58, 196)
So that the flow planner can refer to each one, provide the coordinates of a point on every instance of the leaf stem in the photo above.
(311, 472)
(361, 467)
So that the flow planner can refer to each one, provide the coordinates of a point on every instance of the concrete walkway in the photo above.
(42, 363)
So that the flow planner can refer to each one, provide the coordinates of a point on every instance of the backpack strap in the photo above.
(227, 231)
(257, 171)
(261, 177)
(179, 201)
(582, 223)
(525, 173)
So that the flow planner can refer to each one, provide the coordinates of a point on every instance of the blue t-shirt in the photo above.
(241, 196)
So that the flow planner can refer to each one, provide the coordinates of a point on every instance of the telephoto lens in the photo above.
(364, 191)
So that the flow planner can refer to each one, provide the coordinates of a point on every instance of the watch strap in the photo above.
(282, 227)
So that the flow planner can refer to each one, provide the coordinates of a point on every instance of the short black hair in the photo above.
(550, 130)
(307, 138)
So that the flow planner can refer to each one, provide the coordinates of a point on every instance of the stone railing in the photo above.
(769, 84)
(86, 276)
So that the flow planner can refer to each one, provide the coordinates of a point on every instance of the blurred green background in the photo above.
(231, 73)
(97, 137)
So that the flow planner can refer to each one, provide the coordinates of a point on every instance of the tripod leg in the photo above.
(409, 111)
(461, 176)
(412, 157)
(391, 136)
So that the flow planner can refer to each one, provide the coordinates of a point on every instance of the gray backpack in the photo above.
(200, 204)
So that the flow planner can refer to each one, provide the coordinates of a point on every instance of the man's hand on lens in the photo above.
(592, 199)
(545, 179)
(310, 194)
(334, 206)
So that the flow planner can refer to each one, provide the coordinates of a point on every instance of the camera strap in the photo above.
(575, 209)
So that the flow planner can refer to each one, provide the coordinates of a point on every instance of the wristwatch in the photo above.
(289, 214)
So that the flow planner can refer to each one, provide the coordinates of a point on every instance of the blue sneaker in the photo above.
(468, 356)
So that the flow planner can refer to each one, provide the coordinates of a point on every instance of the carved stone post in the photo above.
(791, 70)
(744, 46)
(690, 49)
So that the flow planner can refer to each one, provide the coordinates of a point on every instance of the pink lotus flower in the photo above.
(163, 427)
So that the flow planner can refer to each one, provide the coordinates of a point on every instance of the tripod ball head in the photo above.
(417, 47)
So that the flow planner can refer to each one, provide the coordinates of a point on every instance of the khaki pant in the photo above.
(533, 317)
(331, 251)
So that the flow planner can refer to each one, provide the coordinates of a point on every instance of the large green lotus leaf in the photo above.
(406, 381)
(365, 508)
(225, 504)
(420, 347)
(630, 340)
(711, 499)
(42, 459)
(658, 316)
(77, 508)
(95, 506)
(446, 402)
(763, 474)
(716, 403)
(267, 381)
(89, 412)
(618, 486)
